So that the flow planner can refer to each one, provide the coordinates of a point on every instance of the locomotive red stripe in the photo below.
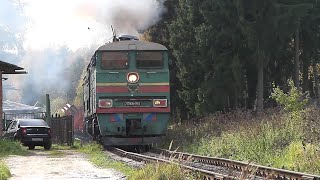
(132, 110)
(112, 89)
(142, 89)
(151, 89)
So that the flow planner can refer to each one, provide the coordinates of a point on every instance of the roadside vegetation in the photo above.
(99, 158)
(284, 138)
(4, 171)
(161, 171)
(9, 148)
(149, 172)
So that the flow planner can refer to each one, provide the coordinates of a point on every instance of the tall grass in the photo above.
(149, 172)
(4, 171)
(100, 158)
(283, 140)
(8, 148)
(160, 172)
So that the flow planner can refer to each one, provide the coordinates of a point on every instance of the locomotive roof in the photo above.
(132, 45)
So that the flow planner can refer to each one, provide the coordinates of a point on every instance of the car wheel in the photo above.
(31, 146)
(47, 146)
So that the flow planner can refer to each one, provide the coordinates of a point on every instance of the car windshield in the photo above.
(32, 122)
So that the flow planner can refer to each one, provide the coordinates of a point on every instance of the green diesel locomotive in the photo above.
(127, 92)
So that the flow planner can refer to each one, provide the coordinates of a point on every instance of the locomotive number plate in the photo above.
(132, 103)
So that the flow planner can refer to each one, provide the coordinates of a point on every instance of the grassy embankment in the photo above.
(8, 148)
(288, 138)
(149, 172)
(277, 141)
(99, 158)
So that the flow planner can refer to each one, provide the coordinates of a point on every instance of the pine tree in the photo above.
(220, 46)
(182, 41)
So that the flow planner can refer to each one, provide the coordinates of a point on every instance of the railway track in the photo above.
(214, 168)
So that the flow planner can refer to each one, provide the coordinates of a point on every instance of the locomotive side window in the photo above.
(114, 60)
(146, 60)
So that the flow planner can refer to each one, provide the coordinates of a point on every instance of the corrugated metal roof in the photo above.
(8, 68)
(10, 106)
(132, 45)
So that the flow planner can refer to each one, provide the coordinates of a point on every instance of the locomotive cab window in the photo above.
(147, 60)
(114, 60)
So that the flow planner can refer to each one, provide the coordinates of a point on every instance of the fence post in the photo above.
(72, 130)
(48, 110)
(1, 124)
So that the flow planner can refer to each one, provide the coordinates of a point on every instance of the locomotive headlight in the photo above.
(160, 103)
(132, 77)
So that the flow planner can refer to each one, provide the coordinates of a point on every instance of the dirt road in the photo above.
(62, 164)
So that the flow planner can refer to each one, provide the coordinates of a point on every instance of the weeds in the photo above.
(4, 171)
(278, 139)
(160, 171)
(8, 147)
(151, 171)
(286, 138)
(99, 158)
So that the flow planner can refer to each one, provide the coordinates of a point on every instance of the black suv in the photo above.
(30, 132)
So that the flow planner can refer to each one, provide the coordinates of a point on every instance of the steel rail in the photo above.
(261, 171)
(208, 175)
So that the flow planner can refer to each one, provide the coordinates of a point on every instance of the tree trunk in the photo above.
(296, 59)
(305, 72)
(316, 80)
(251, 88)
(260, 83)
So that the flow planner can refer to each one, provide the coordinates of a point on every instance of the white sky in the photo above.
(57, 23)
(65, 22)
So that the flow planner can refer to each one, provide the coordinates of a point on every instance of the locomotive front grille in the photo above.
(132, 125)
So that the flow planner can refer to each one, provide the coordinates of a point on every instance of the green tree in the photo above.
(293, 101)
(267, 23)
(182, 41)
(310, 41)
(293, 12)
(228, 53)
(221, 48)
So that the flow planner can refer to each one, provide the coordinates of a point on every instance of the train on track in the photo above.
(127, 93)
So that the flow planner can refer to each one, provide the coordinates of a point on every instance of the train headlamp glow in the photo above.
(132, 77)
(160, 103)
(105, 103)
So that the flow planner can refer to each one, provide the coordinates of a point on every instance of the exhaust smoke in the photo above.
(54, 39)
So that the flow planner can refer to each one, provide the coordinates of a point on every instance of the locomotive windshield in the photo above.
(114, 60)
(148, 59)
